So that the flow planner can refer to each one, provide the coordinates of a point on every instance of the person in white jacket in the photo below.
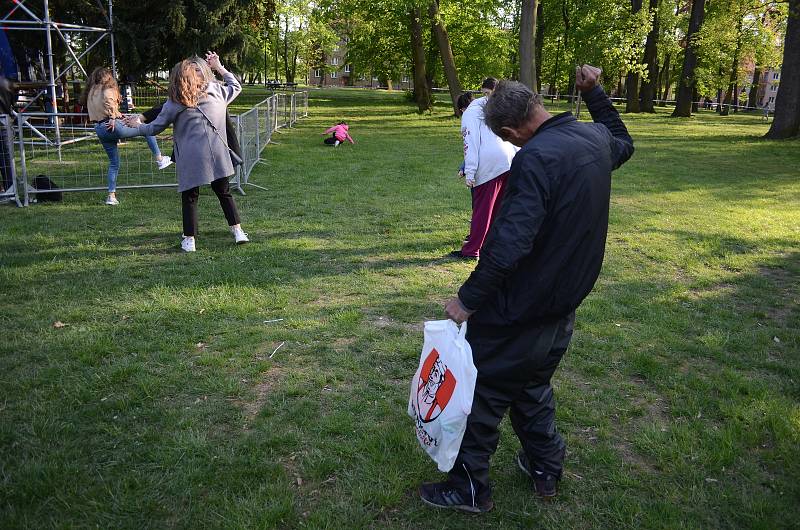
(487, 161)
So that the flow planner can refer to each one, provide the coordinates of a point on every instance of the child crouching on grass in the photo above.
(339, 135)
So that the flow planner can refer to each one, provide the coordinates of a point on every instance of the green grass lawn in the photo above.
(163, 403)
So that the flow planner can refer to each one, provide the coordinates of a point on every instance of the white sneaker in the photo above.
(188, 244)
(111, 200)
(239, 235)
(164, 163)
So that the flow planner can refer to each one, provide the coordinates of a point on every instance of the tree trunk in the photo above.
(422, 94)
(752, 96)
(448, 63)
(554, 79)
(787, 103)
(647, 92)
(695, 97)
(431, 55)
(562, 47)
(726, 103)
(632, 92)
(632, 80)
(687, 82)
(292, 73)
(513, 56)
(277, 45)
(539, 45)
(527, 41)
(664, 81)
(729, 94)
(286, 50)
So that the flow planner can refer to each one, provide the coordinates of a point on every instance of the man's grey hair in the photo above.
(510, 105)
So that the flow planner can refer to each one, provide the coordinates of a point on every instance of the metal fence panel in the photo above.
(8, 176)
(76, 161)
(248, 139)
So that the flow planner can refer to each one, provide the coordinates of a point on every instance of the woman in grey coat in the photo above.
(196, 110)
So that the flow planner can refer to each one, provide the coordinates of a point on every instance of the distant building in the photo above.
(768, 87)
(338, 72)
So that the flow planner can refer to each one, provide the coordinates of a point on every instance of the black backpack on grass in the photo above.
(40, 182)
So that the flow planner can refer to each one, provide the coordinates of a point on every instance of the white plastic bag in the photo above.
(442, 390)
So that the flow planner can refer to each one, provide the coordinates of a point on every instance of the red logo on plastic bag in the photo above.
(435, 387)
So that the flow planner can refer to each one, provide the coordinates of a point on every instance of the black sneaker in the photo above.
(458, 255)
(444, 495)
(545, 485)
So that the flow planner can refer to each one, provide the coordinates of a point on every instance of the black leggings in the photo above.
(189, 200)
(331, 140)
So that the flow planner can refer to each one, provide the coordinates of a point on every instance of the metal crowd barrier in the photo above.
(8, 174)
(76, 161)
(257, 125)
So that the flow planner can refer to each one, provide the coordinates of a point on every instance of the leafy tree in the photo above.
(736, 34)
(183, 28)
(647, 92)
(422, 92)
(377, 33)
(602, 32)
(687, 82)
(481, 38)
(445, 52)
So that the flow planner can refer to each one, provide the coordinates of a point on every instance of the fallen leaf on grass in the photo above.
(58, 324)
(711, 480)
(776, 339)
(200, 345)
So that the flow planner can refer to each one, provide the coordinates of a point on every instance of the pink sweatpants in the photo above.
(486, 200)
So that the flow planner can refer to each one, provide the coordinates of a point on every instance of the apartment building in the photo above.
(338, 72)
(768, 87)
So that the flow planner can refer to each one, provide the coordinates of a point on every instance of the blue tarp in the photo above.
(7, 62)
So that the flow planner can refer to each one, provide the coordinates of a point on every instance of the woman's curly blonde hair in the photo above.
(189, 81)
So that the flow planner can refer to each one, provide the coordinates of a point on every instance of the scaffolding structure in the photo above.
(23, 18)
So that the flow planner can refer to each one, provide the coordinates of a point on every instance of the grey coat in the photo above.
(201, 155)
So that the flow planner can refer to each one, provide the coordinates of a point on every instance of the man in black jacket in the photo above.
(541, 258)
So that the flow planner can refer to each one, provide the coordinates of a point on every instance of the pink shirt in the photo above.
(340, 132)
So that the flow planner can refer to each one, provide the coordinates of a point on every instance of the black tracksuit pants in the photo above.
(189, 205)
(514, 371)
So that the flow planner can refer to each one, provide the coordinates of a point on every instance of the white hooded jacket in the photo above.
(486, 156)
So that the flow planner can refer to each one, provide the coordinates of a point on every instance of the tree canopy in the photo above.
(457, 43)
